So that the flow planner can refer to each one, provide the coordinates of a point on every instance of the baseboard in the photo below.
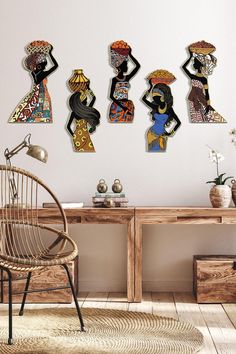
(167, 285)
(148, 285)
(102, 286)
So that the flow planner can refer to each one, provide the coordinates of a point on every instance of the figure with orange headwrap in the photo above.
(165, 120)
(122, 109)
(35, 107)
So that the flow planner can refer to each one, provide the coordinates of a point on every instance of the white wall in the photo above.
(159, 32)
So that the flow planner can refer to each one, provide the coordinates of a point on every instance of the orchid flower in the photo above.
(216, 157)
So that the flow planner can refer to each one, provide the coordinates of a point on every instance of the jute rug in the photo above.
(49, 331)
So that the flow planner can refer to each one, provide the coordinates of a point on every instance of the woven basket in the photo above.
(38, 47)
(202, 50)
(161, 76)
(160, 80)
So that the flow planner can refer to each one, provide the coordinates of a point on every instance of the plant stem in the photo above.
(217, 165)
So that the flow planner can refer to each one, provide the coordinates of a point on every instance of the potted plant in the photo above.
(220, 193)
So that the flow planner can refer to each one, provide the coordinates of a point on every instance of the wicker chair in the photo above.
(25, 243)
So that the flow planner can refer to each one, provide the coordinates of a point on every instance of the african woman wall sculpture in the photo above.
(35, 107)
(165, 120)
(84, 117)
(200, 108)
(122, 109)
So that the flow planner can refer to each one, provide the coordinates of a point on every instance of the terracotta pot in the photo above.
(220, 196)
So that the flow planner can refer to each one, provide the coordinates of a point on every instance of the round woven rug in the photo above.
(56, 330)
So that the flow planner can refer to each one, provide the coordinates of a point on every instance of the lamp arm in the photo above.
(8, 154)
(25, 143)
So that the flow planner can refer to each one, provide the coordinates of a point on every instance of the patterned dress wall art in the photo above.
(159, 98)
(35, 107)
(200, 108)
(84, 117)
(121, 109)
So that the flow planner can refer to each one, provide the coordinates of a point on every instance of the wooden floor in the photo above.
(216, 322)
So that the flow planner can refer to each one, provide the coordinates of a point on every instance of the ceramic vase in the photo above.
(78, 81)
(220, 196)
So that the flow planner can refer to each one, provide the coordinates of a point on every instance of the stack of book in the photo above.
(118, 198)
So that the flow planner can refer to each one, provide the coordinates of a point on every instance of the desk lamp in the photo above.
(35, 151)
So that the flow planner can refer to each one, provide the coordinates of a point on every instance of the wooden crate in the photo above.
(214, 279)
(47, 278)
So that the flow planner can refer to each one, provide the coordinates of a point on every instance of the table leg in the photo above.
(130, 259)
(138, 261)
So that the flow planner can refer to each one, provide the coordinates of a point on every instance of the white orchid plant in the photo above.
(216, 157)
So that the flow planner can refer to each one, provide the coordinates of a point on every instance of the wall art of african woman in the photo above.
(84, 117)
(35, 107)
(159, 98)
(200, 108)
(122, 109)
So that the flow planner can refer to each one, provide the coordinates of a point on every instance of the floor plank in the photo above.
(163, 305)
(189, 311)
(230, 310)
(220, 327)
(82, 297)
(96, 300)
(117, 301)
(144, 306)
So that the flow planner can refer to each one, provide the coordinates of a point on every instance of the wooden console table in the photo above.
(134, 218)
(90, 215)
(178, 216)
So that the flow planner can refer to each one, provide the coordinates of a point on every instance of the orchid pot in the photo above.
(220, 196)
(220, 193)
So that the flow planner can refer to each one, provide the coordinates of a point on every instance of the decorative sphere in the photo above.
(109, 203)
(117, 186)
(102, 186)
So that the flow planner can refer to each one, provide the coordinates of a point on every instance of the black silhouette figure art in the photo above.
(200, 108)
(35, 107)
(122, 109)
(165, 120)
(84, 117)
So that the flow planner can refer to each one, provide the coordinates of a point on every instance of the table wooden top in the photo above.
(184, 211)
(147, 214)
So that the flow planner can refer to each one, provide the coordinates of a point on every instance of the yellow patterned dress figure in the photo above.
(84, 117)
(35, 107)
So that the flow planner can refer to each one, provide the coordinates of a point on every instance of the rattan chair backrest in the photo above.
(20, 228)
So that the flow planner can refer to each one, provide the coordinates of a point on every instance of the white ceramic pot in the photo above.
(220, 196)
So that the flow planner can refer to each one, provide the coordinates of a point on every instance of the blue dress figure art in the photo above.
(165, 120)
